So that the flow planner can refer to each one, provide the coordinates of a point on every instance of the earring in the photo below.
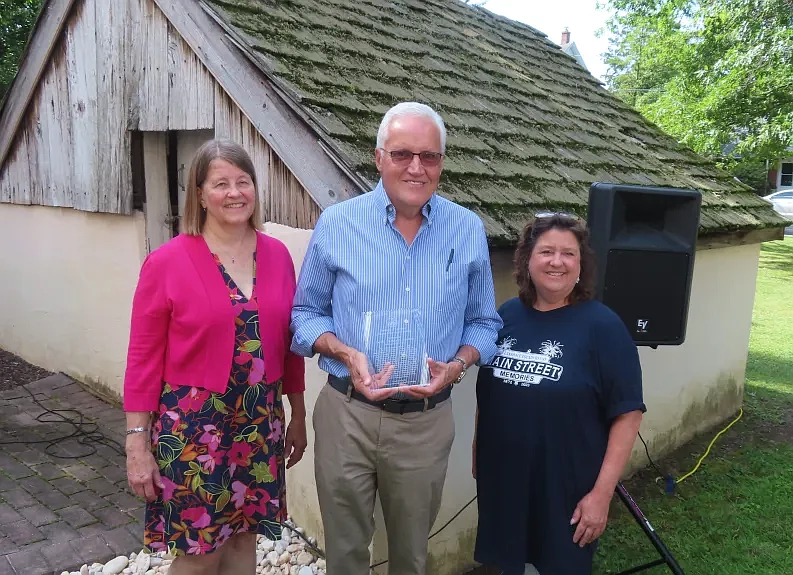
(577, 280)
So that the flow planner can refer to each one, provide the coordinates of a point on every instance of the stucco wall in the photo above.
(66, 289)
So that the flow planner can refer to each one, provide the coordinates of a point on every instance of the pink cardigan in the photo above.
(182, 327)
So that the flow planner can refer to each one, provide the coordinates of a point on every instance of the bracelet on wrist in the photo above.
(137, 430)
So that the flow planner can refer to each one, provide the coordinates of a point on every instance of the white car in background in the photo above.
(782, 202)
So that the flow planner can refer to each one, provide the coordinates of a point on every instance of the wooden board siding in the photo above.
(83, 102)
(73, 133)
(290, 205)
(15, 178)
(147, 67)
(191, 89)
(117, 67)
(114, 144)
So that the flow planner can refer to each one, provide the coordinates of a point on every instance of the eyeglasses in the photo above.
(404, 157)
(567, 215)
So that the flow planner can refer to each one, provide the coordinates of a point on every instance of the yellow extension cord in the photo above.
(701, 459)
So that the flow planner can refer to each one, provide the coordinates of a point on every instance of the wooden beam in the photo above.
(292, 139)
(44, 37)
(739, 238)
(158, 204)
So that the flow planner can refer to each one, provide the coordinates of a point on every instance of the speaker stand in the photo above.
(666, 557)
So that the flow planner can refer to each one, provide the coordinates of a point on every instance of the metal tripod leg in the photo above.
(666, 556)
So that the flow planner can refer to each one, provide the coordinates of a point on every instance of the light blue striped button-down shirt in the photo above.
(357, 261)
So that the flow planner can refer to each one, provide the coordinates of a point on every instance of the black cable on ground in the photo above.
(445, 525)
(650, 459)
(85, 433)
(293, 528)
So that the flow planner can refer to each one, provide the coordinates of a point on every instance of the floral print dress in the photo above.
(220, 455)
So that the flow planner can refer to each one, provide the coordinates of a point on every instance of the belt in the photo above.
(344, 385)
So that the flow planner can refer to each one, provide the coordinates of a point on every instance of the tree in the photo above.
(16, 21)
(716, 74)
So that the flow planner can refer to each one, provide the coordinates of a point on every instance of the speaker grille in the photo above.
(648, 291)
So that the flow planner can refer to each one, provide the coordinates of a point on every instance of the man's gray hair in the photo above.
(410, 109)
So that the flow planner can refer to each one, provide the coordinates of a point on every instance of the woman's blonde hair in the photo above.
(219, 149)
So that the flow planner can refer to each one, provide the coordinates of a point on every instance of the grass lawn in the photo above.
(734, 516)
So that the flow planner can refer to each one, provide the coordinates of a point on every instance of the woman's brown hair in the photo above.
(194, 216)
(585, 288)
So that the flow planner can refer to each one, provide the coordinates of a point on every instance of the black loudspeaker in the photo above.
(645, 239)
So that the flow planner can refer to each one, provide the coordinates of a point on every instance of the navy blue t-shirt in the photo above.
(546, 403)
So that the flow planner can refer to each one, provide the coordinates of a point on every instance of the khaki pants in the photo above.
(360, 448)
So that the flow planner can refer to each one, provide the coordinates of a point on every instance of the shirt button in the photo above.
(407, 321)
(407, 257)
(407, 289)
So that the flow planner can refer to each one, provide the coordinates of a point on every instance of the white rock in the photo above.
(64, 573)
(305, 558)
(294, 569)
(305, 571)
(115, 566)
(260, 557)
(267, 545)
(155, 561)
(280, 547)
(284, 558)
(285, 534)
(321, 564)
(294, 548)
(142, 563)
(272, 558)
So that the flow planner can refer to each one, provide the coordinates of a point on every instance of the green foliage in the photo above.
(716, 74)
(16, 20)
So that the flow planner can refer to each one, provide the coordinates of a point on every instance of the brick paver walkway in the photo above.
(58, 513)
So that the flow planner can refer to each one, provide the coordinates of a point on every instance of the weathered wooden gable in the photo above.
(69, 149)
(118, 67)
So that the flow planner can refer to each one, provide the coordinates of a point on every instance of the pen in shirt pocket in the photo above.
(451, 258)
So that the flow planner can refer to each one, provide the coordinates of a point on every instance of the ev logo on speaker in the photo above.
(641, 325)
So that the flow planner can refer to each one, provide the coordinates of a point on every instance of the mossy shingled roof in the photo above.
(528, 128)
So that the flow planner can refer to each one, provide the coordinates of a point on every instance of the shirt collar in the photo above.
(384, 205)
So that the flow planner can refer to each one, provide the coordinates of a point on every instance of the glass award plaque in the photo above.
(397, 337)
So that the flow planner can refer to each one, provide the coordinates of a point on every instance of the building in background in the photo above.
(571, 49)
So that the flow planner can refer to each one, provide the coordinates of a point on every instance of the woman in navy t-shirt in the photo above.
(558, 410)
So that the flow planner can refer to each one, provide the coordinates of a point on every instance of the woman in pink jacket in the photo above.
(209, 359)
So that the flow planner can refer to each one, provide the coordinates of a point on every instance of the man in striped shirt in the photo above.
(399, 247)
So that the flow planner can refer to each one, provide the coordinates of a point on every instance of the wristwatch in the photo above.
(461, 361)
